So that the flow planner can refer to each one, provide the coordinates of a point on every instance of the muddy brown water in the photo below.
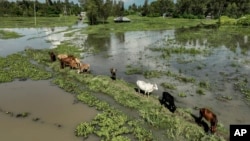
(58, 114)
(132, 49)
(221, 68)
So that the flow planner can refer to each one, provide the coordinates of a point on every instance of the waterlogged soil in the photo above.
(222, 67)
(53, 113)
(36, 38)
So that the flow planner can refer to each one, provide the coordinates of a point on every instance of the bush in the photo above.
(245, 20)
(225, 20)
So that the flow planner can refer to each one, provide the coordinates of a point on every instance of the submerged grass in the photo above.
(4, 34)
(168, 86)
(20, 66)
(109, 124)
(243, 87)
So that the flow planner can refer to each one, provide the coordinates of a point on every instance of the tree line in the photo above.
(28, 8)
(100, 10)
(193, 8)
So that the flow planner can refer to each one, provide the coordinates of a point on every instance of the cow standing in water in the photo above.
(84, 67)
(210, 117)
(113, 73)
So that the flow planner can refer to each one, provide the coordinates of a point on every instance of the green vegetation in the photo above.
(152, 74)
(243, 87)
(168, 86)
(230, 34)
(110, 123)
(130, 70)
(7, 22)
(182, 94)
(169, 50)
(204, 84)
(19, 66)
(49, 8)
(225, 20)
(144, 23)
(4, 34)
(200, 91)
(245, 20)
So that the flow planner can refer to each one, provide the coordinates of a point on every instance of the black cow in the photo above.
(168, 101)
(113, 73)
(52, 56)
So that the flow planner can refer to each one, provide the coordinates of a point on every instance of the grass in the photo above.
(21, 22)
(167, 51)
(4, 34)
(243, 87)
(19, 66)
(153, 74)
(144, 23)
(182, 94)
(204, 84)
(132, 70)
(137, 23)
(112, 124)
(175, 126)
(168, 86)
(200, 91)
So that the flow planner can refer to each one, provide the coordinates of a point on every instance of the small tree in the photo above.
(92, 12)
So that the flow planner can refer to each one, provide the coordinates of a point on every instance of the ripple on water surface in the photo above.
(58, 114)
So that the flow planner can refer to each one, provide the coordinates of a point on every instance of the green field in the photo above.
(28, 22)
(111, 124)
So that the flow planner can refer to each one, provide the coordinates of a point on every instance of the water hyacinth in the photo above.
(110, 123)
(19, 66)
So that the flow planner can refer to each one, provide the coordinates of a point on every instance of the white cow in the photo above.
(146, 87)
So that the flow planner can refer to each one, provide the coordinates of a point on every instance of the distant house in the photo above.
(122, 19)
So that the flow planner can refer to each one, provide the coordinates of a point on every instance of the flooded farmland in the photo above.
(210, 58)
(216, 64)
(53, 114)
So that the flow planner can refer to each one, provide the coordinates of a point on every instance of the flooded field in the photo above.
(53, 114)
(204, 68)
(218, 66)
(37, 38)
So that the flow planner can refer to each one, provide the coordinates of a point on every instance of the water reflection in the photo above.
(228, 58)
(122, 49)
(37, 38)
(97, 42)
(230, 38)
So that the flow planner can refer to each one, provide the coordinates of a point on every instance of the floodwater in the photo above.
(36, 38)
(221, 67)
(53, 114)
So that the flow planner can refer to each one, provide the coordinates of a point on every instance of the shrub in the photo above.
(245, 20)
(225, 20)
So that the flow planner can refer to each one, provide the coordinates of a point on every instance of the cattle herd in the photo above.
(167, 99)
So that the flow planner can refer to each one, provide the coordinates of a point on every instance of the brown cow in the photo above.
(84, 68)
(61, 56)
(210, 117)
(69, 61)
